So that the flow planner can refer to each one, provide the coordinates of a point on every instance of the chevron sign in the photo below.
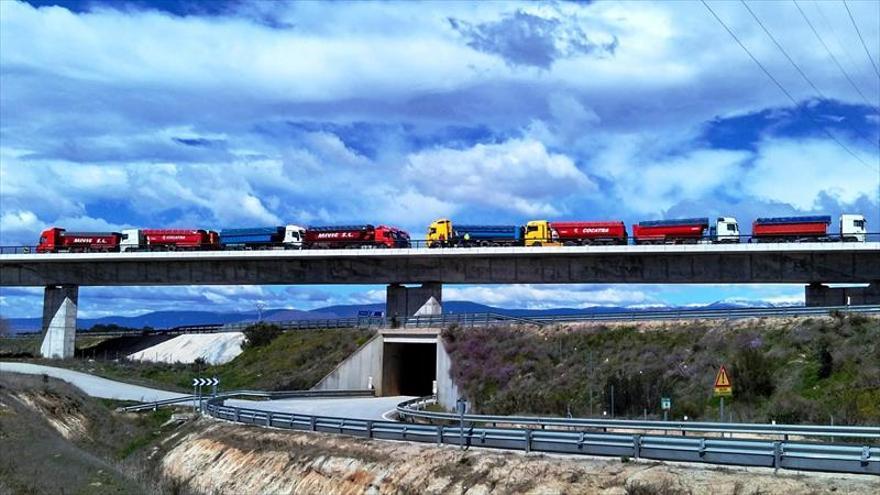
(201, 382)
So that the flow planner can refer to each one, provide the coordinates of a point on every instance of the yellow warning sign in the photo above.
(723, 388)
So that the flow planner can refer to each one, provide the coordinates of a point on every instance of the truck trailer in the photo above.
(677, 231)
(169, 240)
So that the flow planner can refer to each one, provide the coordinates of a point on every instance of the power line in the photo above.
(830, 25)
(794, 64)
(833, 58)
(867, 52)
(778, 84)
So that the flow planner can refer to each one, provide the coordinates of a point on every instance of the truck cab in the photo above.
(293, 237)
(726, 230)
(541, 233)
(853, 228)
(132, 240)
(439, 233)
(49, 240)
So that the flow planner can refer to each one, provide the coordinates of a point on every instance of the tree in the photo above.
(259, 335)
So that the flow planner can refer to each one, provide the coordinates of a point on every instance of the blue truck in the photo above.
(280, 237)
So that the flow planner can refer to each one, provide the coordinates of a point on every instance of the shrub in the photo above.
(752, 374)
(826, 361)
(260, 335)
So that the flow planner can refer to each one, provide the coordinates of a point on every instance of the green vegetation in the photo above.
(788, 370)
(113, 327)
(288, 361)
(260, 335)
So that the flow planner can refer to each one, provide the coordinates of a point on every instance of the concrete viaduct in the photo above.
(812, 264)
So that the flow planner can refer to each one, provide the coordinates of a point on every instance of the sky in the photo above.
(225, 114)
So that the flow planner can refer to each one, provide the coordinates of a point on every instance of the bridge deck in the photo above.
(806, 247)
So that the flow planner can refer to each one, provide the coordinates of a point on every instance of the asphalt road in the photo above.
(92, 385)
(355, 407)
(360, 408)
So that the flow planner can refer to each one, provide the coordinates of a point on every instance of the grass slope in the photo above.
(292, 361)
(788, 370)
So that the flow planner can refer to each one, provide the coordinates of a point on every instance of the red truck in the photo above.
(179, 239)
(680, 231)
(791, 229)
(58, 240)
(355, 237)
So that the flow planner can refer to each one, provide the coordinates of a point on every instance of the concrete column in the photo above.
(402, 301)
(821, 295)
(59, 321)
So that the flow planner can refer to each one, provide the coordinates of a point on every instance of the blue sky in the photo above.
(218, 114)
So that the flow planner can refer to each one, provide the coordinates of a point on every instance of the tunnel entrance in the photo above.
(409, 368)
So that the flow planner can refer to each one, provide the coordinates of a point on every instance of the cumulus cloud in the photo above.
(797, 172)
(519, 175)
(523, 38)
(260, 113)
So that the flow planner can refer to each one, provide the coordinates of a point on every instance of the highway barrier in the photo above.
(258, 394)
(484, 319)
(413, 410)
(778, 454)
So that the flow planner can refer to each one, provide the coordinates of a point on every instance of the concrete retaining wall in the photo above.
(355, 372)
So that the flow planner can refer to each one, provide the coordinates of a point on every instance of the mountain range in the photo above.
(170, 319)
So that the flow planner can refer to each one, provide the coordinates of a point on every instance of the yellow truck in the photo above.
(443, 233)
(541, 233)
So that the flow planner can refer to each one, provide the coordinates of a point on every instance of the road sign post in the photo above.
(461, 405)
(666, 405)
(722, 388)
(198, 383)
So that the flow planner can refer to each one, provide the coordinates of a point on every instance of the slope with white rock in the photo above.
(214, 348)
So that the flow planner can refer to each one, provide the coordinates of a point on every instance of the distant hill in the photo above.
(170, 319)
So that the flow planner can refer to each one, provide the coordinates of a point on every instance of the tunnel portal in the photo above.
(409, 368)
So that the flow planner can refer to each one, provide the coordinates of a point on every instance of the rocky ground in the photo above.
(55, 440)
(225, 458)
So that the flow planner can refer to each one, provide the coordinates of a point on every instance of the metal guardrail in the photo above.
(831, 238)
(272, 395)
(475, 319)
(861, 459)
(485, 319)
(412, 409)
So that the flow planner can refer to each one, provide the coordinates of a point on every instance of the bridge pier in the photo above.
(59, 321)
(817, 294)
(403, 302)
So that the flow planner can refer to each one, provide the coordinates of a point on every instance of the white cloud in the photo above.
(517, 175)
(21, 220)
(797, 172)
(547, 296)
(651, 182)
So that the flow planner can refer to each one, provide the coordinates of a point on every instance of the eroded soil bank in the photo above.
(224, 458)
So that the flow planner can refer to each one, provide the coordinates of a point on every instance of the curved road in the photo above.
(355, 407)
(91, 384)
(359, 408)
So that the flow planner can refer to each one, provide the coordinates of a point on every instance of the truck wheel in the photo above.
(538, 244)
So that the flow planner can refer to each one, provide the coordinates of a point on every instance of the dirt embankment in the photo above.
(226, 458)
